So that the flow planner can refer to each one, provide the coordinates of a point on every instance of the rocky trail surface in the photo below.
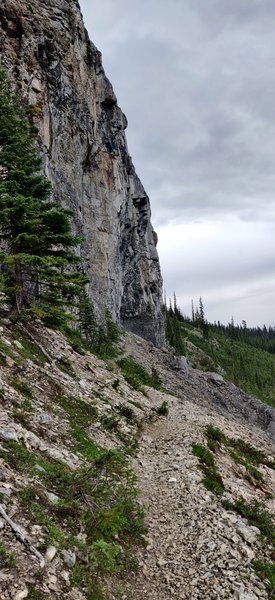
(196, 549)
(55, 405)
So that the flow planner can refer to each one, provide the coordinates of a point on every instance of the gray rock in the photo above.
(88, 164)
(5, 491)
(249, 534)
(18, 344)
(8, 435)
(54, 499)
(21, 594)
(50, 553)
(69, 558)
(247, 596)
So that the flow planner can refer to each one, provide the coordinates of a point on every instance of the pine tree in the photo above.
(201, 312)
(87, 320)
(37, 258)
(192, 311)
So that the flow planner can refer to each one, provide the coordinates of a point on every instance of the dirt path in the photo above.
(195, 550)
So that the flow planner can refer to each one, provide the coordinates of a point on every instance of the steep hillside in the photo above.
(68, 424)
(241, 359)
(58, 74)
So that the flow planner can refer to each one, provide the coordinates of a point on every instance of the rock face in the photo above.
(59, 75)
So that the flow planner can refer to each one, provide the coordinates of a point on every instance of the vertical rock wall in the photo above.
(59, 74)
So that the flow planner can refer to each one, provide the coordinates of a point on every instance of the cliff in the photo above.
(59, 76)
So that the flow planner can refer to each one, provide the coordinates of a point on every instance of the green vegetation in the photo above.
(163, 409)
(267, 572)
(7, 559)
(89, 336)
(21, 386)
(126, 411)
(6, 350)
(173, 329)
(137, 376)
(99, 499)
(257, 515)
(246, 355)
(30, 349)
(242, 453)
(81, 415)
(40, 273)
(255, 512)
(212, 480)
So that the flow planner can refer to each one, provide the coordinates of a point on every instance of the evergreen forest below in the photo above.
(243, 355)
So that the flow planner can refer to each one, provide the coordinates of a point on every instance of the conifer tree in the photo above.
(87, 320)
(37, 258)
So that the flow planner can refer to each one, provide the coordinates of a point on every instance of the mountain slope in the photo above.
(61, 412)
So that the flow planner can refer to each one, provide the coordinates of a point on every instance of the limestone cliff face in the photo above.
(59, 75)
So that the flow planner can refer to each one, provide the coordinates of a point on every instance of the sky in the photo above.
(196, 80)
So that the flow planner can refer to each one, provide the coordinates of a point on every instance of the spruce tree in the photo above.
(37, 258)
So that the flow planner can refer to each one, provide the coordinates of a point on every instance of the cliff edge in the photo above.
(59, 75)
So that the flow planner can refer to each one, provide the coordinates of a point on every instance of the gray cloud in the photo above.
(197, 83)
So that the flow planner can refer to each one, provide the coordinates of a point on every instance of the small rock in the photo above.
(2, 524)
(211, 546)
(8, 434)
(50, 553)
(10, 363)
(39, 468)
(36, 85)
(18, 344)
(161, 562)
(247, 596)
(53, 498)
(247, 552)
(5, 491)
(249, 534)
(21, 594)
(69, 558)
(66, 576)
(44, 419)
(52, 581)
(172, 480)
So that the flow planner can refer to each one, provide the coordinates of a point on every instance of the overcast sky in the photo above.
(196, 80)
